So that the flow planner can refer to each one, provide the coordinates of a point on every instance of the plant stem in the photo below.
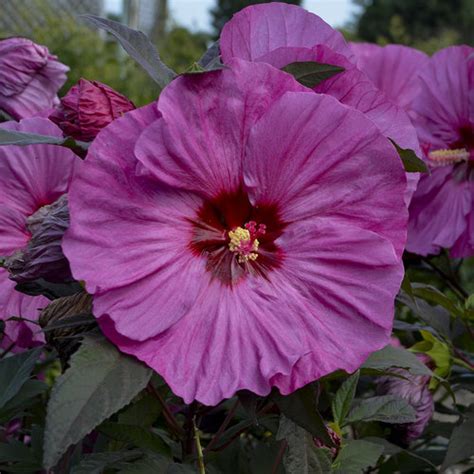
(224, 425)
(169, 417)
(200, 456)
(455, 286)
(281, 453)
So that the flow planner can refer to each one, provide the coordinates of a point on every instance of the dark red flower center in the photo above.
(236, 237)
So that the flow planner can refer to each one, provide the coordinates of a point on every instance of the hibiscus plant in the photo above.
(266, 270)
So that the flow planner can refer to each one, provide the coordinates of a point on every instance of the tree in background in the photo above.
(426, 24)
(224, 10)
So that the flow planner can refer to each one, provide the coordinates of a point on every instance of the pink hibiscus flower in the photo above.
(30, 78)
(240, 234)
(30, 178)
(280, 34)
(442, 210)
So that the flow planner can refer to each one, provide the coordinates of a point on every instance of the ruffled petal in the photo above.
(135, 243)
(439, 212)
(348, 277)
(200, 142)
(259, 29)
(394, 69)
(34, 175)
(231, 339)
(13, 232)
(352, 87)
(328, 160)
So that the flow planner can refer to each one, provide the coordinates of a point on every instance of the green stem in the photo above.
(200, 456)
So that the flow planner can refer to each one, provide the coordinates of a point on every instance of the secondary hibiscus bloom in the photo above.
(30, 78)
(240, 234)
(31, 177)
(280, 34)
(442, 210)
(87, 108)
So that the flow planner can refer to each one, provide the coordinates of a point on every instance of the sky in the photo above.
(194, 14)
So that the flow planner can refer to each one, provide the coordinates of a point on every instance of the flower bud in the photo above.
(416, 392)
(30, 78)
(89, 107)
(43, 256)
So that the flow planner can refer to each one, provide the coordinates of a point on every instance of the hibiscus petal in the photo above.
(349, 278)
(259, 29)
(352, 87)
(143, 233)
(328, 160)
(438, 212)
(34, 175)
(393, 69)
(14, 303)
(446, 102)
(186, 149)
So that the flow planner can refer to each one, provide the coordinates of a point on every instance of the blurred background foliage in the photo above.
(425, 24)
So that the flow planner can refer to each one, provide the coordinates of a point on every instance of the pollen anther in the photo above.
(244, 243)
(447, 157)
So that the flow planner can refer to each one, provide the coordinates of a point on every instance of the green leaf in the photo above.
(12, 137)
(96, 463)
(300, 407)
(302, 455)
(411, 162)
(461, 444)
(390, 356)
(99, 382)
(142, 412)
(14, 372)
(356, 456)
(211, 59)
(23, 399)
(341, 403)
(439, 352)
(141, 437)
(386, 408)
(433, 295)
(311, 73)
(138, 46)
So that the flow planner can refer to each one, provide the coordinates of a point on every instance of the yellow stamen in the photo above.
(447, 157)
(240, 243)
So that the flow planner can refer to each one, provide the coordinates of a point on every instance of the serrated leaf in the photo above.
(300, 407)
(341, 403)
(99, 382)
(141, 437)
(411, 162)
(398, 357)
(302, 455)
(356, 456)
(96, 463)
(12, 137)
(311, 73)
(14, 372)
(386, 408)
(461, 444)
(138, 46)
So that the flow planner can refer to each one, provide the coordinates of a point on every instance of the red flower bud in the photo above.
(87, 108)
